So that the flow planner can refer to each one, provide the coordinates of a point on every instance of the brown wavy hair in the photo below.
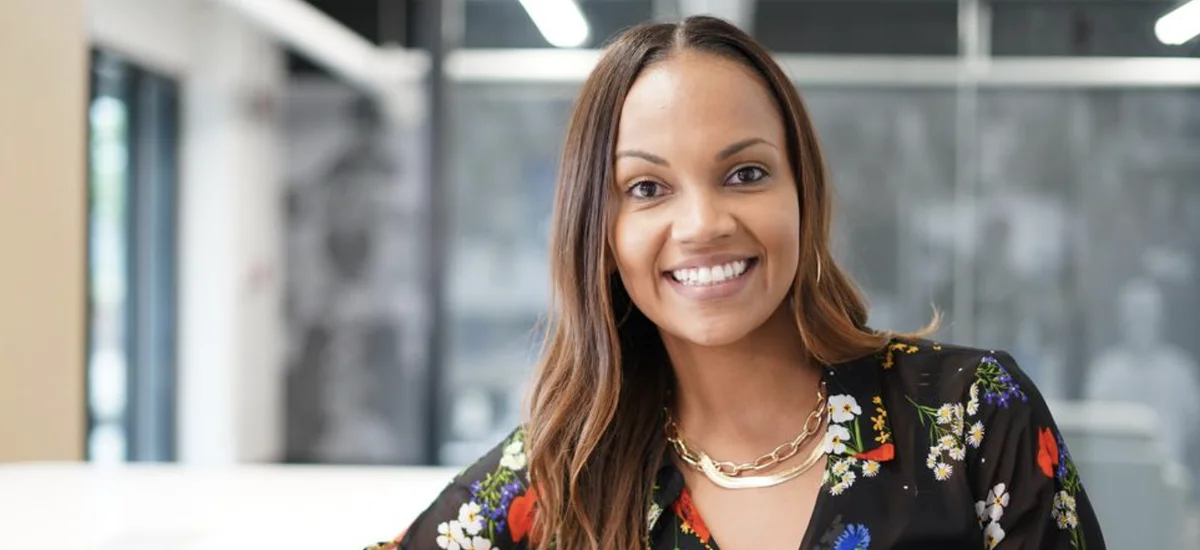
(595, 432)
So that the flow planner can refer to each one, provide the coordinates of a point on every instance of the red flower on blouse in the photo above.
(1047, 457)
(520, 514)
(687, 512)
(882, 453)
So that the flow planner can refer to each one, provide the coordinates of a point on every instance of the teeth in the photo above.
(709, 275)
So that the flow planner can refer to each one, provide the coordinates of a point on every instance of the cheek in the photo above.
(635, 250)
(778, 228)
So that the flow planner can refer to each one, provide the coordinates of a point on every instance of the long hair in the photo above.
(595, 432)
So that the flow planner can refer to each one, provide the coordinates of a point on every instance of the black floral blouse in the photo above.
(929, 446)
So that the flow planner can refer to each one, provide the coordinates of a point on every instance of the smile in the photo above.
(712, 275)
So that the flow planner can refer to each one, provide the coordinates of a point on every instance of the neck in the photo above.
(740, 400)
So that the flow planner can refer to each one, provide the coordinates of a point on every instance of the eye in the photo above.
(646, 189)
(747, 175)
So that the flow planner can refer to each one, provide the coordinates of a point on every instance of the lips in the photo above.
(713, 279)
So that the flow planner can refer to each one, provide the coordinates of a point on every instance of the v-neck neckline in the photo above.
(713, 544)
(859, 379)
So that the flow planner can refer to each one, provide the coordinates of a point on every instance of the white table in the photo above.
(164, 507)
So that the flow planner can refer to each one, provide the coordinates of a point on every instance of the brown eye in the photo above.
(747, 175)
(645, 190)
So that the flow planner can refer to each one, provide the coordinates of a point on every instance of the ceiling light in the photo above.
(559, 21)
(1180, 25)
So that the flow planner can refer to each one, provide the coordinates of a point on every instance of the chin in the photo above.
(712, 333)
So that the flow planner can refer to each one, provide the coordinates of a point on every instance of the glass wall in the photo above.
(132, 123)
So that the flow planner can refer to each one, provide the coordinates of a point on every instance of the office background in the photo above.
(315, 232)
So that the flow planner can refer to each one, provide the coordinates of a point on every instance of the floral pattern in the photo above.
(849, 456)
(1055, 462)
(946, 427)
(500, 500)
(977, 423)
(855, 537)
(989, 511)
(689, 522)
(888, 356)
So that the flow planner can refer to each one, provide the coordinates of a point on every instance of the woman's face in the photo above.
(706, 235)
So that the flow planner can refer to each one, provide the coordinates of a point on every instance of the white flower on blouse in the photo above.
(973, 404)
(981, 511)
(958, 453)
(975, 435)
(1064, 512)
(481, 543)
(838, 488)
(870, 468)
(652, 515)
(934, 457)
(843, 408)
(451, 537)
(841, 468)
(945, 414)
(514, 456)
(835, 439)
(947, 442)
(469, 516)
(942, 471)
(992, 535)
(997, 500)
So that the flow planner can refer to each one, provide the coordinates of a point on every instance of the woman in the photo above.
(709, 374)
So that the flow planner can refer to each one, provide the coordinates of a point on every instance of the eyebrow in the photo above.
(725, 153)
(736, 147)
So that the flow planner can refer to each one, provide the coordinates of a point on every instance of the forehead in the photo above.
(693, 98)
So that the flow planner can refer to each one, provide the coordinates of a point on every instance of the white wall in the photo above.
(230, 317)
(158, 34)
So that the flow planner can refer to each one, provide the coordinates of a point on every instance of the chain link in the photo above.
(779, 454)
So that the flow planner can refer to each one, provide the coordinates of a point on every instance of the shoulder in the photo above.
(488, 504)
(949, 371)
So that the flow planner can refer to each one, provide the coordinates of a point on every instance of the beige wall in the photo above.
(43, 96)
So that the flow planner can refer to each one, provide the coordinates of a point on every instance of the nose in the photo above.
(703, 217)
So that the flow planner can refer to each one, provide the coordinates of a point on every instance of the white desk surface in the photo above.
(166, 507)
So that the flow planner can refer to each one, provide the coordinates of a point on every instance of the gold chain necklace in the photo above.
(730, 475)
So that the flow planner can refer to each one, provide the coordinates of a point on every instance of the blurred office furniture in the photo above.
(1141, 498)
(155, 507)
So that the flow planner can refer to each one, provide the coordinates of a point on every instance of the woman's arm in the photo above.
(1028, 492)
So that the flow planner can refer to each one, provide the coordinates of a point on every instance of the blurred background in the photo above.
(314, 232)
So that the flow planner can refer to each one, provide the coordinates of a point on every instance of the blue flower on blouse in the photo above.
(855, 537)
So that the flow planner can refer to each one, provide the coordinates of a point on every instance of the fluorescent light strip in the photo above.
(559, 21)
(1180, 25)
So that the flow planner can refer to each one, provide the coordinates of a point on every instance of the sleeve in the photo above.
(1027, 490)
(489, 506)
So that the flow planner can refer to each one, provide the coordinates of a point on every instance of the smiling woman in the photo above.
(710, 374)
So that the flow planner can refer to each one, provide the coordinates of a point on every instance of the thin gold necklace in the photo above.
(731, 476)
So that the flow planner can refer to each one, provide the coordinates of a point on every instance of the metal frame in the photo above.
(573, 66)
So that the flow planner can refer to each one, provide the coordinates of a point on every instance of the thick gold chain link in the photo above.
(781, 453)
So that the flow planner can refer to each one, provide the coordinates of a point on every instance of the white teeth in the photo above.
(709, 275)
